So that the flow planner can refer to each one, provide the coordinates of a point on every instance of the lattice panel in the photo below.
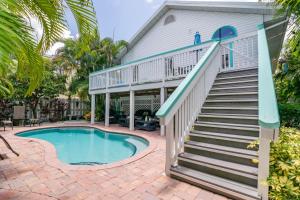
(141, 102)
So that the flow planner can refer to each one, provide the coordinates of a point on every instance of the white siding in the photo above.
(180, 33)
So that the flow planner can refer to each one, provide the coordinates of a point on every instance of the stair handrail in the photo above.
(268, 109)
(180, 110)
(268, 116)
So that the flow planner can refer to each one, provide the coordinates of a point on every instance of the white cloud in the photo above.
(149, 1)
(54, 48)
(66, 35)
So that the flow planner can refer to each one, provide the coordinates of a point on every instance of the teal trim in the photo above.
(260, 26)
(235, 34)
(231, 54)
(268, 109)
(155, 55)
(179, 91)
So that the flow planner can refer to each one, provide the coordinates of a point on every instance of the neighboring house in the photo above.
(224, 97)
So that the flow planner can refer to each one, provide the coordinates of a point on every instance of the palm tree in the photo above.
(110, 49)
(17, 40)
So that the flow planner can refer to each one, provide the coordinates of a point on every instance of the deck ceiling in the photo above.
(275, 31)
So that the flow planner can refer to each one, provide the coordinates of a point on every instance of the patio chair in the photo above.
(32, 122)
(6, 123)
(146, 124)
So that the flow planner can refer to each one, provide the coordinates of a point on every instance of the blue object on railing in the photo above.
(197, 39)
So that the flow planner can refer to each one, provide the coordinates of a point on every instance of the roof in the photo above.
(261, 8)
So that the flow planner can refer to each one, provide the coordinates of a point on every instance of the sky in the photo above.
(118, 19)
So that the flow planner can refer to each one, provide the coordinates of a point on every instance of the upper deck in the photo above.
(167, 69)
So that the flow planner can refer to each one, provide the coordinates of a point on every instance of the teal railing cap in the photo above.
(267, 102)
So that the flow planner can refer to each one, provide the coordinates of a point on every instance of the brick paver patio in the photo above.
(29, 176)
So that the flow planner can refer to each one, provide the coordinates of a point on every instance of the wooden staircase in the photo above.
(216, 157)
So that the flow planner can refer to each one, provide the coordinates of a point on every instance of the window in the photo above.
(224, 32)
(169, 19)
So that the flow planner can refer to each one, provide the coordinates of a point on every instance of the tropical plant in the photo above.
(51, 86)
(17, 41)
(99, 54)
(284, 179)
(289, 115)
(287, 77)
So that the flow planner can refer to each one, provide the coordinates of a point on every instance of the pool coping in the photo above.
(52, 159)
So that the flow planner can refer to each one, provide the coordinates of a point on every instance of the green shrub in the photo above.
(284, 179)
(289, 115)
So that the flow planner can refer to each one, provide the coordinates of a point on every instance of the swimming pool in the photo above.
(89, 146)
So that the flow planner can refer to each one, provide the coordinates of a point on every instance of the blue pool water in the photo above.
(89, 146)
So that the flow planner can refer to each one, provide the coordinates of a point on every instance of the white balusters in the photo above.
(239, 53)
(183, 106)
(167, 66)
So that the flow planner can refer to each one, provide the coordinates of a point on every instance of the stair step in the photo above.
(231, 78)
(221, 140)
(238, 76)
(234, 89)
(230, 126)
(223, 135)
(220, 152)
(230, 110)
(216, 184)
(236, 83)
(237, 72)
(238, 151)
(234, 93)
(247, 170)
(230, 102)
(226, 170)
(224, 118)
(254, 117)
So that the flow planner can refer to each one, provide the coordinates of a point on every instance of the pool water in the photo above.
(89, 146)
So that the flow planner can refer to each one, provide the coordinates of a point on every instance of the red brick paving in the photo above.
(32, 177)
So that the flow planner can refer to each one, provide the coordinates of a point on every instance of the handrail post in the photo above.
(268, 111)
(265, 137)
(169, 146)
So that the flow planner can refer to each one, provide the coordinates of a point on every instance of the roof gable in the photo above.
(208, 6)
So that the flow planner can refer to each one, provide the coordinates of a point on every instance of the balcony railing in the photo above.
(240, 52)
(171, 65)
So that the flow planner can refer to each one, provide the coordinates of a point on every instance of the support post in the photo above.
(131, 111)
(107, 107)
(162, 101)
(169, 146)
(93, 109)
(265, 137)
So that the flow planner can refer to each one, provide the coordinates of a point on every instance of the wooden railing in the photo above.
(165, 66)
(268, 112)
(239, 53)
(181, 108)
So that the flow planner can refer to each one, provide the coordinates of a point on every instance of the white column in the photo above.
(162, 101)
(107, 107)
(169, 146)
(93, 109)
(131, 111)
(265, 137)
